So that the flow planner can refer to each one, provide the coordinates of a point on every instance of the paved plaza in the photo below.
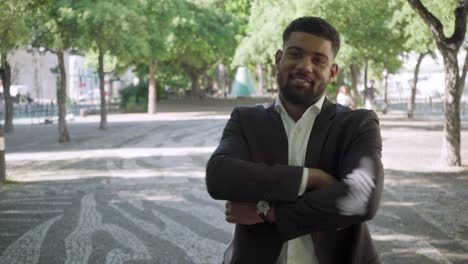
(135, 193)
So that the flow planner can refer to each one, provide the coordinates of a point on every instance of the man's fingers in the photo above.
(228, 212)
(229, 219)
(228, 208)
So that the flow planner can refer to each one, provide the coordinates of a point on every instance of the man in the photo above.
(344, 98)
(369, 95)
(301, 175)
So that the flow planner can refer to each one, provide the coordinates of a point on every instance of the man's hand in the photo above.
(242, 213)
(319, 179)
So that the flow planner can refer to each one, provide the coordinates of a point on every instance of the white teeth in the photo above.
(303, 79)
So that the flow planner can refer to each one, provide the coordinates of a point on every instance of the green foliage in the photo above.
(367, 33)
(134, 98)
(111, 63)
(55, 26)
(171, 76)
(202, 36)
(264, 33)
(418, 36)
(167, 74)
(367, 30)
(13, 28)
(189, 37)
(332, 90)
(112, 27)
(240, 10)
(159, 16)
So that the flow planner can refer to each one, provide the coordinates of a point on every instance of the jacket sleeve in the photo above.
(352, 200)
(231, 174)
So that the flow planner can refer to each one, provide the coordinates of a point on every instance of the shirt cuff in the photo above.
(305, 177)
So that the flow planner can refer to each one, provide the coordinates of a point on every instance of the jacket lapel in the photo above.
(318, 134)
(278, 136)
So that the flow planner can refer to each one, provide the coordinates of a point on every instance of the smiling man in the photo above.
(301, 175)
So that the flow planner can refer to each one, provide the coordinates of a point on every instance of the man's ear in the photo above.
(333, 71)
(278, 55)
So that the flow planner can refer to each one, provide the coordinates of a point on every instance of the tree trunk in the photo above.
(260, 78)
(62, 100)
(2, 156)
(449, 47)
(270, 78)
(273, 79)
(222, 79)
(6, 80)
(385, 107)
(366, 69)
(340, 78)
(111, 88)
(412, 100)
(152, 89)
(195, 80)
(451, 139)
(103, 123)
(354, 69)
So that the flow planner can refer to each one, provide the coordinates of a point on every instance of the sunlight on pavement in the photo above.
(122, 153)
(168, 116)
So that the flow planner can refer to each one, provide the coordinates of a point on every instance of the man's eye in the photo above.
(294, 54)
(318, 61)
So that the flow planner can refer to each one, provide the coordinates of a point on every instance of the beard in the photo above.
(305, 98)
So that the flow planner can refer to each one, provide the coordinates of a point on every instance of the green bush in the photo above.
(134, 98)
(134, 107)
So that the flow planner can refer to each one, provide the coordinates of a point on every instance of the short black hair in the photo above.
(316, 26)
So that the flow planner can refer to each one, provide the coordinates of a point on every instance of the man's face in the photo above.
(305, 67)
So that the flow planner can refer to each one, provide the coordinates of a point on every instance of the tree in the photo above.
(55, 29)
(211, 35)
(454, 81)
(414, 85)
(369, 35)
(263, 36)
(113, 67)
(110, 27)
(418, 39)
(13, 33)
(159, 15)
(365, 32)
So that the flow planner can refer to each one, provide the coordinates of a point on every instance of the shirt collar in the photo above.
(316, 108)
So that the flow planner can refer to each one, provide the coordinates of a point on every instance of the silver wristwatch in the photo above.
(262, 209)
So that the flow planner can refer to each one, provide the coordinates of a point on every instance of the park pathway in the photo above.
(136, 194)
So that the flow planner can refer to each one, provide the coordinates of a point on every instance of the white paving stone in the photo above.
(26, 250)
(79, 243)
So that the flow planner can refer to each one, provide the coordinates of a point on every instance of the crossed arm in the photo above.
(245, 213)
(327, 203)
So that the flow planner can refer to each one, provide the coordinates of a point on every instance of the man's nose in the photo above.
(305, 64)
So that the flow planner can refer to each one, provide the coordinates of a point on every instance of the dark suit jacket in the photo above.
(251, 164)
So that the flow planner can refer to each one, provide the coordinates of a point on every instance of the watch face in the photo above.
(263, 207)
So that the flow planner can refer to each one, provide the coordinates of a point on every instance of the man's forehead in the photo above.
(309, 43)
(307, 37)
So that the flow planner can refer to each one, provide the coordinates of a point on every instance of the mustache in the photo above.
(302, 76)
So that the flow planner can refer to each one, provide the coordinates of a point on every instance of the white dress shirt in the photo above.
(299, 250)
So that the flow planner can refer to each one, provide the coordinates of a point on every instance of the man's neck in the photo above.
(294, 111)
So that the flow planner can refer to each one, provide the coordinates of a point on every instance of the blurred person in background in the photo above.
(344, 98)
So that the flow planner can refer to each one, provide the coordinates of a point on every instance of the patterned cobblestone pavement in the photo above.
(136, 193)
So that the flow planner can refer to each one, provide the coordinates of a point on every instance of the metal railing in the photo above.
(44, 113)
(423, 106)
